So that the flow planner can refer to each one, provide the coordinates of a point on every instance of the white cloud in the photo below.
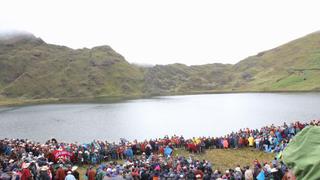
(166, 31)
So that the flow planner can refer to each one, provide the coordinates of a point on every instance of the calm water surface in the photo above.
(192, 115)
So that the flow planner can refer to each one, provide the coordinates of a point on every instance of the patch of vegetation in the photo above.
(290, 80)
(224, 159)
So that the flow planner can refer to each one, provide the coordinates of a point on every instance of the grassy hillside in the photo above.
(31, 69)
(179, 78)
(292, 66)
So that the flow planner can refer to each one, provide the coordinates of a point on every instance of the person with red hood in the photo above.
(161, 150)
(60, 174)
(225, 143)
(26, 174)
(135, 173)
(91, 174)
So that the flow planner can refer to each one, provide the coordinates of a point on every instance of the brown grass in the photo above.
(222, 159)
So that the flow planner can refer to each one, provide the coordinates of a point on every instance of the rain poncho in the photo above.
(251, 141)
(167, 151)
(129, 153)
(302, 154)
(261, 176)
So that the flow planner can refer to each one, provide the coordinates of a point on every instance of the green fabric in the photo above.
(302, 154)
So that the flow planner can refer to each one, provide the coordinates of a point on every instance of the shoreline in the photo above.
(16, 102)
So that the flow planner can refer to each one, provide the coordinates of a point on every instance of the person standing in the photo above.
(75, 172)
(26, 174)
(44, 175)
(251, 140)
(70, 176)
(60, 174)
(248, 174)
(91, 173)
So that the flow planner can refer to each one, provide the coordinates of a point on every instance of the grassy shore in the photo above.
(103, 99)
(22, 101)
(221, 159)
(109, 99)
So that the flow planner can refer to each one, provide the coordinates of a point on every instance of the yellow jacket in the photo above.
(251, 141)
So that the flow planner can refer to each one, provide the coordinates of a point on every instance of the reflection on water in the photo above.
(193, 115)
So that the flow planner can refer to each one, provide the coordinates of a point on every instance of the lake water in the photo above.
(191, 115)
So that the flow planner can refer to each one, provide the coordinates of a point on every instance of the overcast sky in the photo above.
(166, 31)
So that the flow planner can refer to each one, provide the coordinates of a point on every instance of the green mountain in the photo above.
(179, 78)
(294, 66)
(32, 69)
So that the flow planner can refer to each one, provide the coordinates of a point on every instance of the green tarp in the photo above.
(302, 154)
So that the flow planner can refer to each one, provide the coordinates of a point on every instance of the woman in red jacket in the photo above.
(26, 174)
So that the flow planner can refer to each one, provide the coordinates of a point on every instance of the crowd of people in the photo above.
(150, 159)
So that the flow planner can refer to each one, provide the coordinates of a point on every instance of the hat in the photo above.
(25, 165)
(238, 169)
(74, 168)
(69, 172)
(274, 170)
(11, 161)
(44, 168)
(109, 170)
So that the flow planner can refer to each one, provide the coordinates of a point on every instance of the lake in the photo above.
(189, 115)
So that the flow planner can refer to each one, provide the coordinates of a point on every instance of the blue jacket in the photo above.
(261, 176)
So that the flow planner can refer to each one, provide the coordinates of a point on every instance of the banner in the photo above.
(63, 154)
